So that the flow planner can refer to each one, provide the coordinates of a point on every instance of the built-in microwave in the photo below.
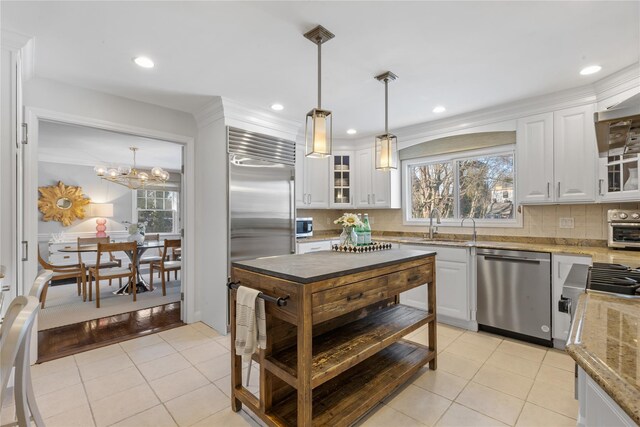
(304, 227)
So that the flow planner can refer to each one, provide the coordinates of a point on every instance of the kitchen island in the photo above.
(335, 349)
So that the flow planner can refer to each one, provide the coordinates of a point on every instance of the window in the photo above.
(159, 209)
(480, 186)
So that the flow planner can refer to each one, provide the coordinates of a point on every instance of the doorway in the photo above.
(71, 152)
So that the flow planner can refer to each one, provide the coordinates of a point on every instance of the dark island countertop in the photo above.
(316, 266)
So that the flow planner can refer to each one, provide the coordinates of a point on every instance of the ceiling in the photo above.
(80, 145)
(463, 55)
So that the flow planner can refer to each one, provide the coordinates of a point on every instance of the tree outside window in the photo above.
(481, 187)
(159, 209)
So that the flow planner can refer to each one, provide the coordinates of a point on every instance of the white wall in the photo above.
(63, 98)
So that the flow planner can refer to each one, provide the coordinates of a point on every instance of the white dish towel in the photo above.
(251, 324)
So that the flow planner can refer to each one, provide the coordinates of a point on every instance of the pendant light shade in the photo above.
(386, 147)
(318, 128)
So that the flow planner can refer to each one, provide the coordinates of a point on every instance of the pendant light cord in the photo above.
(319, 41)
(386, 106)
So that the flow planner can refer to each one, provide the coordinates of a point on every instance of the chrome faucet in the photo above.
(475, 235)
(434, 210)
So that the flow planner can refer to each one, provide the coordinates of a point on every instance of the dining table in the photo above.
(142, 284)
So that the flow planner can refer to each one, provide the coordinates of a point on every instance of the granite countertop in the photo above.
(605, 342)
(316, 266)
(597, 253)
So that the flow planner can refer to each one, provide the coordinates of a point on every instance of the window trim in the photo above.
(516, 222)
(176, 213)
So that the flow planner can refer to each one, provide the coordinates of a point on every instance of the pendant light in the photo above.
(386, 147)
(318, 125)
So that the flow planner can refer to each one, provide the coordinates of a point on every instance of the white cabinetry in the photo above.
(561, 264)
(596, 407)
(617, 181)
(374, 188)
(454, 286)
(314, 246)
(575, 154)
(534, 163)
(557, 157)
(341, 180)
(312, 181)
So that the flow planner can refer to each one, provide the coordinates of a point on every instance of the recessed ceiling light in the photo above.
(277, 107)
(591, 69)
(439, 109)
(143, 62)
(352, 131)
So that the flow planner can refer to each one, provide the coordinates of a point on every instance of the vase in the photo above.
(137, 237)
(632, 181)
(348, 237)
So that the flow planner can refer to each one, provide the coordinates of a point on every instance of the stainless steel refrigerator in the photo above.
(261, 195)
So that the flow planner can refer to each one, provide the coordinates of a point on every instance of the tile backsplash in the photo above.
(589, 221)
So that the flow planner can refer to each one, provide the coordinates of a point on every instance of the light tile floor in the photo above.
(181, 377)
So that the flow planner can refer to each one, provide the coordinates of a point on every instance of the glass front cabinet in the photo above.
(619, 177)
(342, 179)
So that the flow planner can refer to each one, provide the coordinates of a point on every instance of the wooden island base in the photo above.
(336, 349)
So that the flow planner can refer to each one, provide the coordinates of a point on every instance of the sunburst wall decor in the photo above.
(62, 203)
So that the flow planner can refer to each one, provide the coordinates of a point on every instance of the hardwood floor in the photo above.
(71, 339)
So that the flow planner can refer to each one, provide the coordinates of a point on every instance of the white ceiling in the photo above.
(79, 145)
(463, 55)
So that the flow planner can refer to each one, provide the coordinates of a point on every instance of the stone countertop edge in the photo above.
(245, 265)
(623, 393)
(598, 254)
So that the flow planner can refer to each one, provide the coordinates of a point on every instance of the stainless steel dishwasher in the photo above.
(514, 294)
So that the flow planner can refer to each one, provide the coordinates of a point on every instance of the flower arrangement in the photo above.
(136, 231)
(349, 220)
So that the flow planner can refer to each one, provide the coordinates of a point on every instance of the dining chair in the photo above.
(15, 339)
(166, 266)
(148, 259)
(60, 272)
(113, 261)
(98, 272)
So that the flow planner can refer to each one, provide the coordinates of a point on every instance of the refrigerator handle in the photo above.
(292, 214)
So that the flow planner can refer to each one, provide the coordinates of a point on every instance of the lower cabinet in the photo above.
(454, 286)
(597, 408)
(315, 246)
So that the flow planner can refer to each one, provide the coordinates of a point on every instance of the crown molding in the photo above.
(13, 40)
(210, 112)
(259, 119)
(618, 82)
(25, 45)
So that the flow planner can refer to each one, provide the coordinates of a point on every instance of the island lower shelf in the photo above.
(342, 400)
(338, 350)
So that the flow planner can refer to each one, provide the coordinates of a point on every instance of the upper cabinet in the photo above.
(534, 158)
(312, 181)
(374, 188)
(619, 178)
(575, 154)
(557, 157)
(342, 180)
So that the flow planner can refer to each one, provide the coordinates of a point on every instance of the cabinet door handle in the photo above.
(355, 297)
(368, 199)
(548, 190)
(373, 198)
(600, 181)
(558, 189)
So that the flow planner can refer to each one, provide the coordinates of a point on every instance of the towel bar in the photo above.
(280, 302)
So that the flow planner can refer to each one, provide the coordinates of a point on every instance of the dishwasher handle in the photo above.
(511, 259)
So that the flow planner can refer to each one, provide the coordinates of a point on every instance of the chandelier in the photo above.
(131, 177)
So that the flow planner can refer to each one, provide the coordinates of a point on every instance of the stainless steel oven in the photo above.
(304, 227)
(624, 228)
